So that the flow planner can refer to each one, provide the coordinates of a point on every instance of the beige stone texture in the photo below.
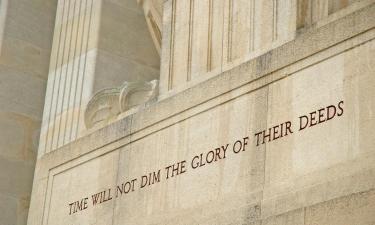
(202, 39)
(69, 186)
(97, 44)
(153, 11)
(321, 175)
(296, 217)
(25, 45)
(356, 208)
(9, 210)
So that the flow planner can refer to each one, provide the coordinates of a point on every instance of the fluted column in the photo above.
(97, 44)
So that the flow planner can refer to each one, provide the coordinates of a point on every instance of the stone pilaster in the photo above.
(97, 44)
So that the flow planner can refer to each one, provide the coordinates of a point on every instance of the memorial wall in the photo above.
(279, 134)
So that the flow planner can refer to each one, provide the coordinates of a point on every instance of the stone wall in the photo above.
(97, 44)
(26, 28)
(153, 10)
(201, 39)
(236, 148)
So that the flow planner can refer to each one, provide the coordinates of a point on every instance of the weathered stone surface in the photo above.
(97, 44)
(8, 210)
(108, 103)
(357, 208)
(197, 49)
(26, 31)
(176, 161)
(290, 180)
(296, 217)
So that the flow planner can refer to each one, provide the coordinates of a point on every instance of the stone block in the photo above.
(19, 185)
(357, 208)
(69, 187)
(27, 27)
(321, 85)
(8, 210)
(296, 217)
(25, 57)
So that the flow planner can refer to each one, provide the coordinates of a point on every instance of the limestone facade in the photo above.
(97, 44)
(26, 30)
(202, 39)
(264, 114)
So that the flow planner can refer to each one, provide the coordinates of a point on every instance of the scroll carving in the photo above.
(110, 102)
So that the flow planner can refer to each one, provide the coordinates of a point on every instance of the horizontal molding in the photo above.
(306, 50)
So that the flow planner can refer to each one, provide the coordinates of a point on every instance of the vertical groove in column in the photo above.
(230, 31)
(62, 110)
(304, 13)
(274, 20)
(65, 61)
(59, 76)
(313, 11)
(84, 69)
(75, 106)
(171, 49)
(190, 43)
(70, 107)
(252, 16)
(209, 41)
(54, 77)
(222, 39)
(55, 130)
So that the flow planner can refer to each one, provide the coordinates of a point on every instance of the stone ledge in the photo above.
(249, 73)
(355, 208)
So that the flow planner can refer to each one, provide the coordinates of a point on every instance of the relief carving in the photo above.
(111, 102)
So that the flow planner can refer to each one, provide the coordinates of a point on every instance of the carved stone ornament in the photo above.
(110, 102)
